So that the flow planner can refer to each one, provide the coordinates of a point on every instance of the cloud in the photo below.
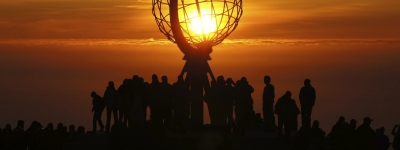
(135, 6)
(160, 42)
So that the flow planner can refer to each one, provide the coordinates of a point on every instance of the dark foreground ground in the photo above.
(253, 140)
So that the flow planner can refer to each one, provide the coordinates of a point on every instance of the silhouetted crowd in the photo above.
(231, 111)
(37, 137)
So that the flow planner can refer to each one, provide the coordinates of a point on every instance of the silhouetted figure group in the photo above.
(222, 97)
(230, 105)
(345, 136)
(37, 137)
(170, 107)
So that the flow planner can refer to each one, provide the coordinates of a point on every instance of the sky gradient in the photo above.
(272, 19)
(53, 53)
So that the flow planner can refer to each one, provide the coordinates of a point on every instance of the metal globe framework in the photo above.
(216, 18)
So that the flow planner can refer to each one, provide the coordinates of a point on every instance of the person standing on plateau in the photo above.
(268, 105)
(98, 107)
(307, 101)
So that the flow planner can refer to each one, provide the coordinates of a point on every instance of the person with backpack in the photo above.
(286, 109)
(98, 107)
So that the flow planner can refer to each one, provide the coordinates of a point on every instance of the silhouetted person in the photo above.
(268, 105)
(396, 140)
(293, 117)
(181, 105)
(133, 89)
(317, 136)
(352, 134)
(242, 108)
(366, 135)
(40, 138)
(167, 100)
(256, 121)
(60, 135)
(336, 129)
(316, 132)
(286, 109)
(115, 139)
(144, 92)
(209, 98)
(353, 125)
(111, 98)
(8, 137)
(80, 130)
(307, 101)
(124, 92)
(157, 105)
(343, 140)
(230, 98)
(136, 114)
(1, 139)
(217, 103)
(247, 91)
(19, 136)
(31, 134)
(49, 136)
(302, 139)
(98, 107)
(383, 142)
(71, 132)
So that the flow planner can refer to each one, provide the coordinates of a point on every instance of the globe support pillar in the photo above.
(196, 67)
(197, 71)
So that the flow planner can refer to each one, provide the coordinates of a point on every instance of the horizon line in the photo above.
(152, 41)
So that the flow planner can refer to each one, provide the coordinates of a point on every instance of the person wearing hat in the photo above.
(352, 134)
(365, 135)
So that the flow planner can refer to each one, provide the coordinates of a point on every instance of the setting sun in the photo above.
(202, 25)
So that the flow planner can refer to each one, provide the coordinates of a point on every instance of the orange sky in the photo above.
(313, 19)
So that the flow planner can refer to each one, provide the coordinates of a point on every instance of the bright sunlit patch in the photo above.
(204, 24)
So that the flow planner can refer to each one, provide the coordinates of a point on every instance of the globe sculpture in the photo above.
(196, 26)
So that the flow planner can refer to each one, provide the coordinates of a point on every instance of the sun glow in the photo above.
(202, 25)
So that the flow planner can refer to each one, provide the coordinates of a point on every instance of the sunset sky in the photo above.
(53, 53)
(291, 19)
